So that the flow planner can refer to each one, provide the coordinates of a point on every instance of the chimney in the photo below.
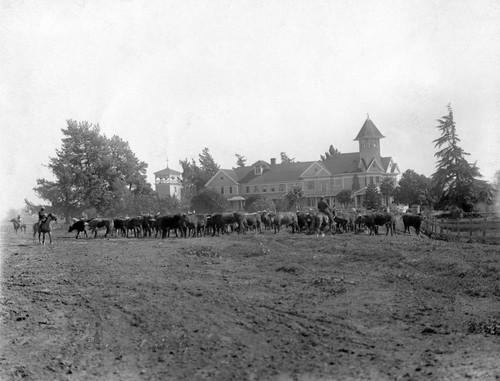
(273, 161)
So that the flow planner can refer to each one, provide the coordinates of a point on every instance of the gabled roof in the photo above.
(369, 131)
(342, 163)
(230, 173)
(167, 172)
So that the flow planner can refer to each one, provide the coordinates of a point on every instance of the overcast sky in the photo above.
(249, 77)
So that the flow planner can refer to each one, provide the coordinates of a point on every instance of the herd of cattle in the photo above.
(197, 225)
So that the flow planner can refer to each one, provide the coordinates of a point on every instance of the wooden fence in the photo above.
(485, 226)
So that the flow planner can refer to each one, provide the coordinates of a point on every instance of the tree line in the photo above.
(94, 174)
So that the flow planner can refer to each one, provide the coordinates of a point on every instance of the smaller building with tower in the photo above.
(168, 182)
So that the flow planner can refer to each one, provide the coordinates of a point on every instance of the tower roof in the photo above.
(369, 131)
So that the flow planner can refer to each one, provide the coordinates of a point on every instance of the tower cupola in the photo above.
(369, 141)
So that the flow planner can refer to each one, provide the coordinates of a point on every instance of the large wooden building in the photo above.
(353, 171)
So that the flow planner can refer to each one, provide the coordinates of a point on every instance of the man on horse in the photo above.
(19, 219)
(323, 207)
(42, 216)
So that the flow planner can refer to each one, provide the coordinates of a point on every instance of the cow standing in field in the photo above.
(169, 222)
(286, 219)
(341, 224)
(79, 226)
(266, 219)
(134, 224)
(304, 220)
(119, 225)
(219, 222)
(374, 220)
(195, 223)
(100, 223)
(147, 225)
(412, 220)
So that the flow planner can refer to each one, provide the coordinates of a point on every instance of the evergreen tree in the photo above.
(372, 197)
(332, 151)
(241, 160)
(454, 179)
(285, 159)
(195, 177)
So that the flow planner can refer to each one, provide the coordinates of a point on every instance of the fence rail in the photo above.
(486, 226)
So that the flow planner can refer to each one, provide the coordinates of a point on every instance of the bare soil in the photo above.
(249, 307)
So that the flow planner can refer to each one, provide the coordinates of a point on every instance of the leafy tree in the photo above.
(241, 160)
(208, 201)
(344, 197)
(372, 197)
(259, 202)
(294, 197)
(195, 177)
(285, 159)
(332, 151)
(387, 189)
(413, 189)
(91, 171)
(454, 179)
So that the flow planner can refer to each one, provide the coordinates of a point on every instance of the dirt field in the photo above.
(250, 307)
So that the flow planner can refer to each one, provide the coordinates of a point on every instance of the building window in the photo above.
(230, 190)
(281, 187)
(221, 190)
(248, 189)
(310, 185)
(377, 179)
(371, 179)
(264, 188)
(324, 185)
(311, 202)
(273, 188)
(256, 189)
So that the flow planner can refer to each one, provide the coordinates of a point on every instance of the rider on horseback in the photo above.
(19, 219)
(42, 216)
(323, 207)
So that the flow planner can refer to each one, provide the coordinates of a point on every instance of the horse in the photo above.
(18, 225)
(44, 228)
(321, 223)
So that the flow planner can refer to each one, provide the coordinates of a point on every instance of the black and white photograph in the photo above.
(261, 190)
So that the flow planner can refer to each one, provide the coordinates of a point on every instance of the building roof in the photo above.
(167, 172)
(343, 163)
(369, 131)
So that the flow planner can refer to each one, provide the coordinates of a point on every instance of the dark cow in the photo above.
(267, 219)
(120, 225)
(412, 220)
(341, 224)
(100, 223)
(374, 220)
(79, 226)
(219, 222)
(134, 224)
(169, 222)
(286, 219)
(304, 220)
(147, 224)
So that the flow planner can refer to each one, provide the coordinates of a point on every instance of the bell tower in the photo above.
(369, 142)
